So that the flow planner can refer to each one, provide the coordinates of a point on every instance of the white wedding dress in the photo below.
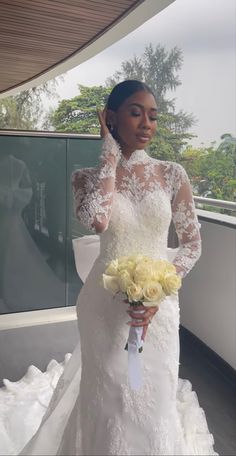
(93, 410)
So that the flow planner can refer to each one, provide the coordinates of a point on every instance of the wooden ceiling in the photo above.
(36, 35)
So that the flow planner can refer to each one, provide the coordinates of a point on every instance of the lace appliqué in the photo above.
(107, 171)
(110, 148)
(185, 220)
(151, 190)
(93, 188)
(132, 187)
(137, 157)
(160, 440)
(165, 326)
(187, 229)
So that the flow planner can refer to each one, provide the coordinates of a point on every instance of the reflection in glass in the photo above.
(37, 220)
(26, 280)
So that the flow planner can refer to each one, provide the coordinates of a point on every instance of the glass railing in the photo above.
(37, 223)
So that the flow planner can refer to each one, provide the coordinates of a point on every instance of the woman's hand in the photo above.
(102, 119)
(144, 318)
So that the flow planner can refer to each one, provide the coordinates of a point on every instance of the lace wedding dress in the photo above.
(93, 410)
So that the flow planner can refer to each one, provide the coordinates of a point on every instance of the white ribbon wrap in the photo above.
(135, 342)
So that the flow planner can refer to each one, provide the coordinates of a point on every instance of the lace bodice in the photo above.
(131, 204)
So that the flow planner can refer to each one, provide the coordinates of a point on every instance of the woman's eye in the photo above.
(153, 119)
(135, 114)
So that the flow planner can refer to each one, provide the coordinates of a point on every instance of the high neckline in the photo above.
(137, 156)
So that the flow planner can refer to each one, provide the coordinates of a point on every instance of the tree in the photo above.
(79, 114)
(158, 68)
(25, 110)
(212, 170)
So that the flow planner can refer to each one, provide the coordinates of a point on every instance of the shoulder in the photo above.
(171, 169)
(176, 170)
(174, 175)
(179, 172)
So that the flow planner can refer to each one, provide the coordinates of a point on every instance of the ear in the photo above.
(111, 118)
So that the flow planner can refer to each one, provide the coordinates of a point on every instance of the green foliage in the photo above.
(170, 138)
(212, 170)
(25, 110)
(79, 114)
(158, 68)
(16, 112)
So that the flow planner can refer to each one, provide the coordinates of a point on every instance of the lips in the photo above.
(143, 138)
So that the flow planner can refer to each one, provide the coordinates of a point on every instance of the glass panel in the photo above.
(33, 223)
(37, 267)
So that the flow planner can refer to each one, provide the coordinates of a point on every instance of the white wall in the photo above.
(208, 295)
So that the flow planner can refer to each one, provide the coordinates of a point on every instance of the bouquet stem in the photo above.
(135, 346)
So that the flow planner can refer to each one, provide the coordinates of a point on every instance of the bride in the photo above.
(129, 199)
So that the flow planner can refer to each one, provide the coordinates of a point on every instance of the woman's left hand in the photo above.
(144, 318)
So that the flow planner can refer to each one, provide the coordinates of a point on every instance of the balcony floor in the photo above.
(216, 395)
(216, 392)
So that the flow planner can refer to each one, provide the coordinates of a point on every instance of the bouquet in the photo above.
(146, 281)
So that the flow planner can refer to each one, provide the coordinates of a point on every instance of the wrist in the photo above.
(110, 150)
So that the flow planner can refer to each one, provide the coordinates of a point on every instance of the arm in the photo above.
(186, 223)
(93, 190)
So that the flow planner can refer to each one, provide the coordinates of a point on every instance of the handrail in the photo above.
(231, 205)
(48, 134)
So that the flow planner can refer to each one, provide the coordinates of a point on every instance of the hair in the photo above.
(125, 90)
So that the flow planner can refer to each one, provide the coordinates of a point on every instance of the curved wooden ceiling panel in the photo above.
(40, 39)
(37, 35)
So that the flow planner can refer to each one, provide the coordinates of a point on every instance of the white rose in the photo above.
(170, 283)
(142, 273)
(112, 268)
(128, 266)
(153, 292)
(134, 292)
(110, 283)
(124, 280)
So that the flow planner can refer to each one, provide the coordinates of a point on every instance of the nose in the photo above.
(146, 123)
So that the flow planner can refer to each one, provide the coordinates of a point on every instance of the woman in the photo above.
(129, 199)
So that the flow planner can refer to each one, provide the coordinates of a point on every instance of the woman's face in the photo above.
(136, 121)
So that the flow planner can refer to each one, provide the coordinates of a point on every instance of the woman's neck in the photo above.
(126, 150)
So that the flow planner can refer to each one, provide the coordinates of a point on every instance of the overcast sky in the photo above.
(205, 30)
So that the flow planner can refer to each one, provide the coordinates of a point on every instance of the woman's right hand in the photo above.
(102, 119)
(144, 318)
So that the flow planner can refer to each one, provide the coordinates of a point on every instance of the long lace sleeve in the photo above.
(186, 223)
(93, 188)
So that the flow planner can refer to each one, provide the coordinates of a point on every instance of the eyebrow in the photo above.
(141, 106)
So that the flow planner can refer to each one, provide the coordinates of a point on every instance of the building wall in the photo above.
(208, 296)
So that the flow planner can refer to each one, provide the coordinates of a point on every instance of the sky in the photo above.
(205, 30)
